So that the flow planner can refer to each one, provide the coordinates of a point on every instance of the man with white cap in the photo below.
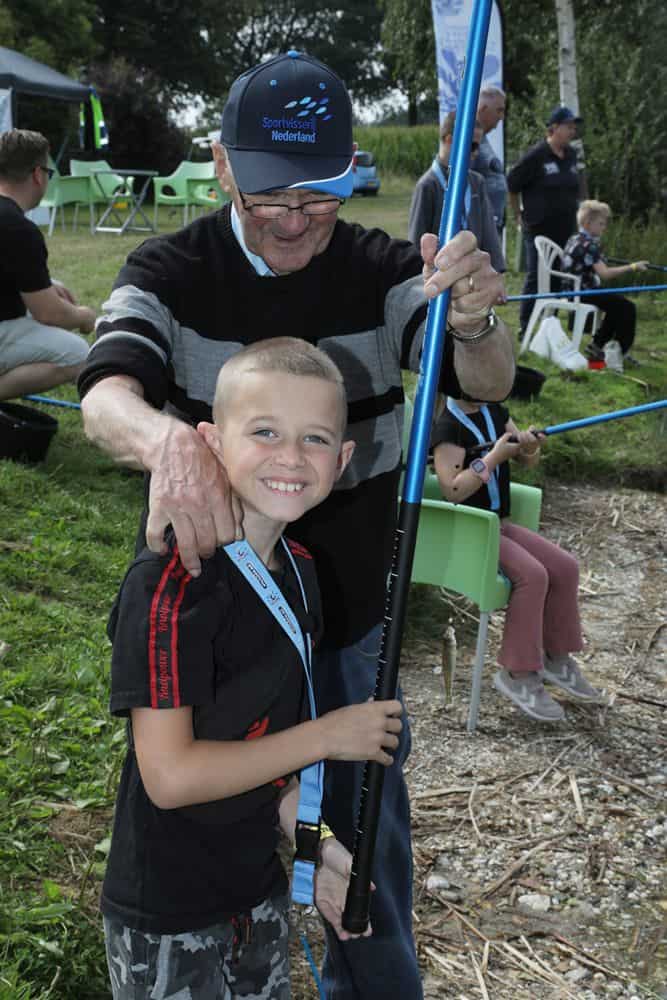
(276, 261)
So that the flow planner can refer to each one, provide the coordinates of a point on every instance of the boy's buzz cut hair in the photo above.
(592, 209)
(290, 355)
(20, 152)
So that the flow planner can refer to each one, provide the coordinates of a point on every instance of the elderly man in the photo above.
(37, 351)
(546, 181)
(429, 194)
(490, 111)
(278, 260)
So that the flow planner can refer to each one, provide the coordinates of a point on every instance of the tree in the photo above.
(55, 32)
(567, 78)
(137, 117)
(409, 50)
(201, 47)
(346, 36)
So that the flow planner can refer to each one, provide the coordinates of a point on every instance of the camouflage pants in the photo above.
(243, 958)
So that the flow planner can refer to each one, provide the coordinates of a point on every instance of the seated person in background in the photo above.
(195, 897)
(37, 351)
(542, 624)
(582, 256)
(429, 194)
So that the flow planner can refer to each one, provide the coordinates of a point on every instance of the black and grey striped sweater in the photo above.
(184, 303)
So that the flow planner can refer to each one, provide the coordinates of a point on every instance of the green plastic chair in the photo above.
(173, 190)
(207, 195)
(63, 191)
(104, 186)
(457, 548)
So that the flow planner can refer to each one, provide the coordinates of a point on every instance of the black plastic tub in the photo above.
(25, 434)
(528, 383)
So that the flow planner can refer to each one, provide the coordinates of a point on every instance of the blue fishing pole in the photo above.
(630, 290)
(50, 401)
(357, 904)
(573, 425)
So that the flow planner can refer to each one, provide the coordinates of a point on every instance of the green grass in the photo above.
(66, 535)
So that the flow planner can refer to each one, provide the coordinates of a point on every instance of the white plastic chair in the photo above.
(547, 253)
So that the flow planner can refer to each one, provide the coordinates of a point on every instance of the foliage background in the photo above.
(149, 57)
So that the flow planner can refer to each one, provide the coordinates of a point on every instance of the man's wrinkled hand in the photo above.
(189, 489)
(460, 266)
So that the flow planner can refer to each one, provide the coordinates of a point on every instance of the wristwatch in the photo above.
(481, 469)
(490, 325)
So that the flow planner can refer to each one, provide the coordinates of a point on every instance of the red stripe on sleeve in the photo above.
(153, 626)
(175, 688)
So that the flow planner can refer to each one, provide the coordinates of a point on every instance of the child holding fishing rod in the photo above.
(583, 256)
(542, 624)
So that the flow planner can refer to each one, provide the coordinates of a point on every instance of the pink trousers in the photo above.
(543, 611)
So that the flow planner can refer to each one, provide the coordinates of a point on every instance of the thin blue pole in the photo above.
(630, 290)
(573, 425)
(450, 224)
(602, 418)
(357, 904)
(49, 401)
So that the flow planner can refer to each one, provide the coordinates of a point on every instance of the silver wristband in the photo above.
(474, 338)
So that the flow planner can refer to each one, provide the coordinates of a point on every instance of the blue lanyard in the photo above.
(311, 783)
(455, 409)
(436, 167)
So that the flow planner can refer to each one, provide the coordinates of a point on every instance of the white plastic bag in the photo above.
(552, 342)
(613, 356)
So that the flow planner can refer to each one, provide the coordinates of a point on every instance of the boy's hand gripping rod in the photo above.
(357, 905)
(574, 425)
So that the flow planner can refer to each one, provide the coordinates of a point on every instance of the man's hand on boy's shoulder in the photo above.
(331, 882)
(189, 490)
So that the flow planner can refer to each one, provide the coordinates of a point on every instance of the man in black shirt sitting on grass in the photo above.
(37, 351)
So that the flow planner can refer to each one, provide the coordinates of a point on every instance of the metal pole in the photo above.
(48, 401)
(630, 290)
(601, 418)
(357, 905)
(573, 425)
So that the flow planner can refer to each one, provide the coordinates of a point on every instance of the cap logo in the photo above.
(301, 124)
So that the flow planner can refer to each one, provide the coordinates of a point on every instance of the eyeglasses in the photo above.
(49, 171)
(259, 210)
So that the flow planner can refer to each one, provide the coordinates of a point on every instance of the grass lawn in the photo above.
(65, 538)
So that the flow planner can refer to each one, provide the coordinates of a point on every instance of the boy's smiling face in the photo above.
(280, 440)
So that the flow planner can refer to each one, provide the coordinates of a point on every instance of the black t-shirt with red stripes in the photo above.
(209, 643)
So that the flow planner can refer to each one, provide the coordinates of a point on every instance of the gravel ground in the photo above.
(540, 850)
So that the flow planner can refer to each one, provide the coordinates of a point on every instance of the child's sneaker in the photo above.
(613, 356)
(564, 672)
(528, 693)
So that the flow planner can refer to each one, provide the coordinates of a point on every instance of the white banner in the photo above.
(5, 110)
(451, 20)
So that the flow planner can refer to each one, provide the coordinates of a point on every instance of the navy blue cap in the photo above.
(561, 115)
(287, 124)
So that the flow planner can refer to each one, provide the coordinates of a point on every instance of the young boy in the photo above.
(194, 899)
(582, 256)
